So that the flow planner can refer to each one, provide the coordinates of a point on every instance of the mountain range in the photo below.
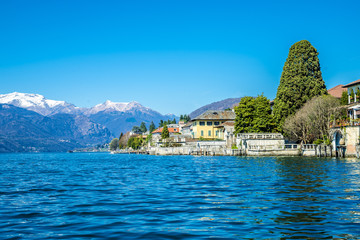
(220, 105)
(30, 122)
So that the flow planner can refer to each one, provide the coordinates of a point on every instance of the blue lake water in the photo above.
(104, 196)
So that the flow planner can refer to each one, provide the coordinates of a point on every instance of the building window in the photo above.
(209, 133)
(174, 130)
(202, 123)
(216, 123)
(194, 124)
(202, 133)
(209, 123)
(217, 133)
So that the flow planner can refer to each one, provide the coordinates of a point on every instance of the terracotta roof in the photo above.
(216, 115)
(171, 130)
(352, 83)
(337, 91)
(227, 124)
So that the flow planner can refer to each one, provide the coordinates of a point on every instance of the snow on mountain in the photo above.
(110, 106)
(37, 103)
(116, 116)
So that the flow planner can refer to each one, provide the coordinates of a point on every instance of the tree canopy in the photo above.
(143, 127)
(311, 122)
(301, 80)
(152, 127)
(120, 144)
(254, 115)
(167, 122)
(135, 142)
(185, 118)
(344, 98)
(136, 130)
(165, 132)
(114, 144)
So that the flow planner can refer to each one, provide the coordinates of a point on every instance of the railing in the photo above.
(260, 136)
(309, 146)
(264, 147)
(291, 146)
(344, 123)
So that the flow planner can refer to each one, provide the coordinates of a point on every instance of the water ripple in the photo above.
(103, 196)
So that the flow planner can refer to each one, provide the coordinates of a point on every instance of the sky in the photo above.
(173, 55)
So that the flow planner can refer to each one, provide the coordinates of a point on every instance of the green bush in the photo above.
(318, 141)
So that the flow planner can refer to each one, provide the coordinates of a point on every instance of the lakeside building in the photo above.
(205, 125)
(156, 134)
(346, 133)
(353, 90)
(337, 91)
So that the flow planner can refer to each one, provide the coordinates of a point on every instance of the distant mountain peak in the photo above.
(37, 103)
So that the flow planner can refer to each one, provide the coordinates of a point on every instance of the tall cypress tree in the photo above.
(300, 81)
(165, 132)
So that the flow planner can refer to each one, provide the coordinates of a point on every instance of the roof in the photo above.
(352, 83)
(216, 115)
(171, 130)
(227, 124)
(337, 91)
(188, 124)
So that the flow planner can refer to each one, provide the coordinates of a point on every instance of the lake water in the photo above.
(104, 196)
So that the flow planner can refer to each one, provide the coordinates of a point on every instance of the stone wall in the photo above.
(351, 139)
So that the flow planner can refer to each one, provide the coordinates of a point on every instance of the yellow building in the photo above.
(203, 126)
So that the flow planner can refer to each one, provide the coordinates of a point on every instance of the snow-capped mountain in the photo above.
(37, 103)
(110, 106)
(121, 117)
(58, 119)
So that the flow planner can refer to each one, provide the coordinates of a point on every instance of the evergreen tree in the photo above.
(254, 115)
(263, 119)
(344, 98)
(300, 81)
(165, 132)
(161, 124)
(143, 127)
(120, 144)
(245, 113)
(174, 121)
(152, 127)
(136, 130)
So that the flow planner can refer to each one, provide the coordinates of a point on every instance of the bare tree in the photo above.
(312, 121)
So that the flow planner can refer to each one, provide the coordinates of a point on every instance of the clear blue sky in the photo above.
(173, 56)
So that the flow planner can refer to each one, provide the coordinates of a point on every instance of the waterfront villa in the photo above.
(205, 125)
(353, 90)
(346, 133)
(337, 91)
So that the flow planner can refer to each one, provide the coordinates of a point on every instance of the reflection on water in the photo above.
(311, 196)
(82, 196)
